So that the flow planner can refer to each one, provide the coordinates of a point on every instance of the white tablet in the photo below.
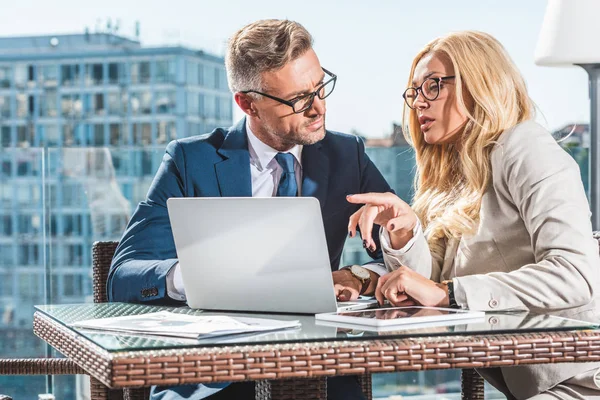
(395, 316)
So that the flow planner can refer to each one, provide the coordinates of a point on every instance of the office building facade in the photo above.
(84, 121)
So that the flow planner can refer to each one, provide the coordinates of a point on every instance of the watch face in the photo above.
(360, 272)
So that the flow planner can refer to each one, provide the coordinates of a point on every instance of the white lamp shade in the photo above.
(570, 33)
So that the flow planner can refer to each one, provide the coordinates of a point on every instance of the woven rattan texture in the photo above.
(102, 254)
(472, 385)
(39, 366)
(317, 359)
(290, 389)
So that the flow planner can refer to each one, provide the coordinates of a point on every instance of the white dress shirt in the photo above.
(265, 172)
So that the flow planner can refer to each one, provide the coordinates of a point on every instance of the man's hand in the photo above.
(347, 286)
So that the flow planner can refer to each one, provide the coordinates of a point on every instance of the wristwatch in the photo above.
(362, 274)
(451, 299)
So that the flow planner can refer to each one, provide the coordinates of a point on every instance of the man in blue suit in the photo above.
(281, 148)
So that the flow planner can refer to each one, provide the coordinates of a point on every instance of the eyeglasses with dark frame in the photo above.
(302, 103)
(430, 89)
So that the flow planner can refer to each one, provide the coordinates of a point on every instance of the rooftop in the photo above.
(25, 48)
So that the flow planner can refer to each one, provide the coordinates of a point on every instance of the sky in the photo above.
(370, 44)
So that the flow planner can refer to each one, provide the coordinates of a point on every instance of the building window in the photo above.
(98, 103)
(6, 228)
(116, 73)
(74, 255)
(140, 72)
(25, 105)
(192, 129)
(29, 254)
(72, 225)
(24, 136)
(166, 132)
(28, 224)
(6, 289)
(98, 139)
(29, 286)
(6, 255)
(70, 74)
(225, 108)
(192, 104)
(141, 102)
(5, 77)
(209, 77)
(116, 135)
(142, 134)
(31, 70)
(147, 169)
(165, 71)
(201, 69)
(71, 106)
(72, 285)
(48, 105)
(48, 75)
(5, 106)
(21, 75)
(210, 110)
(220, 78)
(5, 136)
(192, 77)
(165, 102)
(49, 134)
(68, 134)
(93, 74)
(72, 195)
(114, 104)
(201, 105)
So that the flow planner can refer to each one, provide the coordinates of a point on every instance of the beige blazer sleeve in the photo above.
(417, 257)
(539, 184)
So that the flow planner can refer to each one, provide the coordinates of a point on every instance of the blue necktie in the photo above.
(287, 184)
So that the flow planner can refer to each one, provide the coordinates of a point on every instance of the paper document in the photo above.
(165, 323)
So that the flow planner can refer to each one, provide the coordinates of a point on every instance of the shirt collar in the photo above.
(263, 154)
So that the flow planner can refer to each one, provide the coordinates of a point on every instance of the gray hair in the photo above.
(265, 45)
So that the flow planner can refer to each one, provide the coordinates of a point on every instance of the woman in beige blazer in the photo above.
(499, 219)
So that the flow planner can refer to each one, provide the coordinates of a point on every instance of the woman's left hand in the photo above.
(405, 285)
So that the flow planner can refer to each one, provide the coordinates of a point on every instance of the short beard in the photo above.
(295, 138)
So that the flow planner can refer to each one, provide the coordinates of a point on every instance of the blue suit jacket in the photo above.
(218, 165)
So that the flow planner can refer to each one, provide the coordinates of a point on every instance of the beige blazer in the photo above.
(533, 250)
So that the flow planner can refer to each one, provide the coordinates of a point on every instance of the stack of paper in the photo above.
(165, 323)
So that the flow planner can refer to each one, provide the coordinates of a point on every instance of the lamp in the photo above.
(570, 36)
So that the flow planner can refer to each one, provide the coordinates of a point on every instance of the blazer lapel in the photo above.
(233, 173)
(315, 173)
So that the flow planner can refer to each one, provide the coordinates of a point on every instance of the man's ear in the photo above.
(245, 103)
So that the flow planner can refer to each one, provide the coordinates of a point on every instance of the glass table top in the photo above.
(311, 330)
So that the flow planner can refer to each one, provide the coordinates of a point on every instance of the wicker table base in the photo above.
(313, 360)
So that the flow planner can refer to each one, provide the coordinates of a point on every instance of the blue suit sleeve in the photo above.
(146, 252)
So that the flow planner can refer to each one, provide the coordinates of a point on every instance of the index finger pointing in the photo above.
(380, 199)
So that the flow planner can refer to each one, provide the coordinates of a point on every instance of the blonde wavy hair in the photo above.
(450, 183)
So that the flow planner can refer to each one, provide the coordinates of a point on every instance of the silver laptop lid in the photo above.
(253, 253)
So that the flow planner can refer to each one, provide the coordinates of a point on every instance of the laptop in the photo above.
(264, 254)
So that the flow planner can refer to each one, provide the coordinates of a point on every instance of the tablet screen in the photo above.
(400, 312)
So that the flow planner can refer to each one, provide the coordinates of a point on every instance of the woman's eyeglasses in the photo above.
(430, 89)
